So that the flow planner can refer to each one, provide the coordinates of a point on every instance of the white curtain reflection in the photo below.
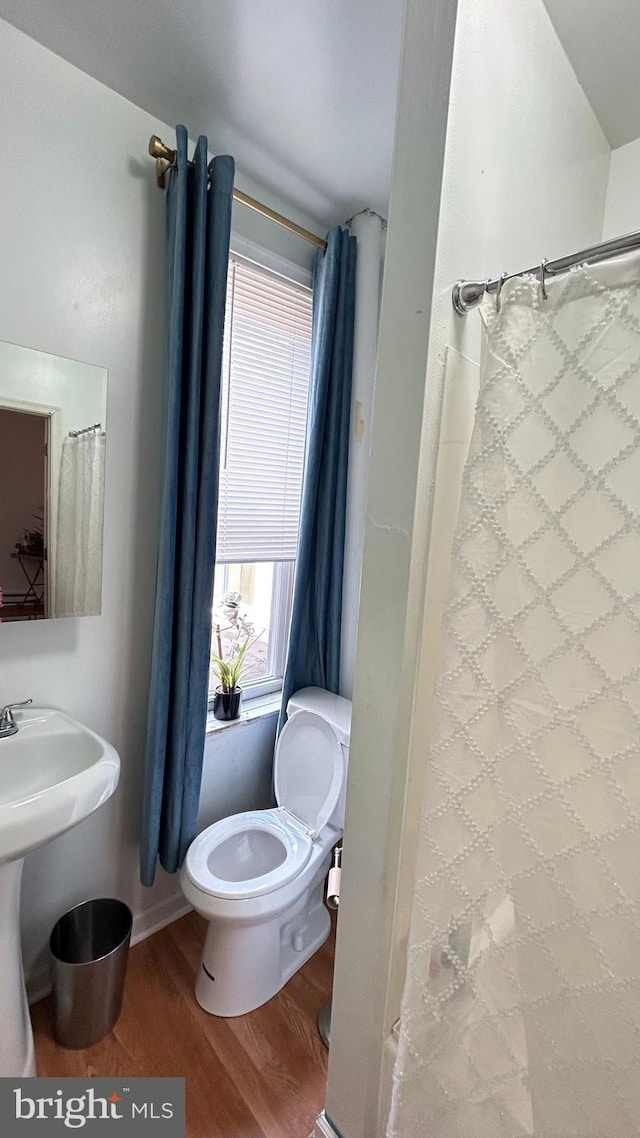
(78, 568)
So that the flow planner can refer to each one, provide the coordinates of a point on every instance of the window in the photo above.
(265, 386)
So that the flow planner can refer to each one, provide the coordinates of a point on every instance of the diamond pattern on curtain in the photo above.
(521, 1013)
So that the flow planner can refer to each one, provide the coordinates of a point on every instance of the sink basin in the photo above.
(53, 773)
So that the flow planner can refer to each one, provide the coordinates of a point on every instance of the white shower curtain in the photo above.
(521, 1013)
(78, 550)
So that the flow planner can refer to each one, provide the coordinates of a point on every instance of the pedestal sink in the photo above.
(53, 773)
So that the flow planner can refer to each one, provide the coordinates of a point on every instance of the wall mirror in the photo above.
(52, 454)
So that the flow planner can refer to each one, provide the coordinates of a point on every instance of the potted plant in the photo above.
(31, 543)
(228, 662)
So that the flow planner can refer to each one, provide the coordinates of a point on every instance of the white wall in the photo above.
(622, 213)
(81, 242)
(78, 391)
(390, 599)
(525, 177)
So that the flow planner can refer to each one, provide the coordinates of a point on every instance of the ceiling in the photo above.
(301, 92)
(602, 40)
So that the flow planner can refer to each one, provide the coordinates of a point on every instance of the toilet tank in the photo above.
(337, 711)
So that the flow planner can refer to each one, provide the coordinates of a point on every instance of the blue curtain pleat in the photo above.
(313, 656)
(198, 234)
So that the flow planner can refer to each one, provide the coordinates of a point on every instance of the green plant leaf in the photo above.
(229, 670)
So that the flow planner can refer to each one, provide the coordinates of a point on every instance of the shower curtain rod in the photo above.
(166, 158)
(85, 430)
(469, 294)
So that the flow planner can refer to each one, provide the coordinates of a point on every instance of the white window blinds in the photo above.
(265, 386)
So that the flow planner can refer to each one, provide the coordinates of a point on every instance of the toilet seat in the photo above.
(308, 769)
(259, 851)
(265, 846)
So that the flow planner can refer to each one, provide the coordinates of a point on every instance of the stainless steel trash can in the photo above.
(90, 947)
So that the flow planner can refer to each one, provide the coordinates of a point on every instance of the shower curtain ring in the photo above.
(501, 279)
(543, 265)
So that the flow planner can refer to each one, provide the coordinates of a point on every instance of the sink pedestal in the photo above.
(53, 773)
(17, 1055)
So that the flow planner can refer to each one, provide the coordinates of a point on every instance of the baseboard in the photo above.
(324, 1128)
(38, 985)
(158, 916)
(145, 924)
(389, 1056)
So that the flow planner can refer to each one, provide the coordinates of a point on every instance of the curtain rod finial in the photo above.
(164, 156)
(157, 149)
(467, 295)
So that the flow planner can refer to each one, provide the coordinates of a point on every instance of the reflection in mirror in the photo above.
(52, 448)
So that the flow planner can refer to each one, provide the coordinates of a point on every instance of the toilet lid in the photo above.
(308, 769)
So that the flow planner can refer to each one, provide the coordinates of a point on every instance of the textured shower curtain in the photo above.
(78, 547)
(521, 1013)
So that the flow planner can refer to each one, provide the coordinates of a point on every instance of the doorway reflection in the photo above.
(24, 491)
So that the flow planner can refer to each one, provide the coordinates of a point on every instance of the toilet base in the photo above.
(244, 966)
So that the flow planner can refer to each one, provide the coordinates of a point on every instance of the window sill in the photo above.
(252, 709)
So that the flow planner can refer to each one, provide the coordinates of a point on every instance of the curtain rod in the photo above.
(85, 430)
(166, 158)
(469, 294)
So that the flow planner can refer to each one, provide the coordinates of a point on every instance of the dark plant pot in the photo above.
(226, 704)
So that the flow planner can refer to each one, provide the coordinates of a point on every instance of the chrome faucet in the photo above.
(8, 725)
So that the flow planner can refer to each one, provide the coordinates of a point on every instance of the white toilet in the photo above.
(258, 877)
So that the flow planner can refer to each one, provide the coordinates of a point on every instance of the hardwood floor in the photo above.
(261, 1075)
